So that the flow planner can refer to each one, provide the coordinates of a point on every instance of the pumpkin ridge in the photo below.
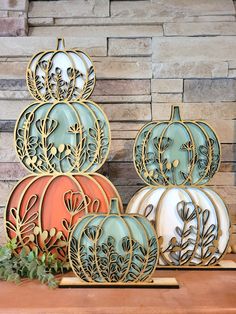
(144, 147)
(146, 238)
(16, 130)
(90, 104)
(146, 229)
(203, 124)
(96, 123)
(190, 136)
(20, 198)
(79, 243)
(217, 210)
(195, 124)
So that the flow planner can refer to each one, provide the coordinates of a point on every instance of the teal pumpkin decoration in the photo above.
(62, 137)
(113, 247)
(176, 152)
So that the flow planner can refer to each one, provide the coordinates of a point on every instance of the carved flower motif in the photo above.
(74, 128)
(93, 232)
(187, 146)
(186, 211)
(75, 202)
(126, 244)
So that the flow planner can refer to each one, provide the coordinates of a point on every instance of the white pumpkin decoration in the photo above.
(192, 224)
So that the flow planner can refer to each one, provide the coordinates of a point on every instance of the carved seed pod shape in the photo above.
(113, 247)
(192, 224)
(42, 210)
(62, 137)
(61, 74)
(176, 152)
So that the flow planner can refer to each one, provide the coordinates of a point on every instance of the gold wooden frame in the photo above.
(31, 78)
(169, 122)
(187, 264)
(36, 235)
(83, 271)
(68, 149)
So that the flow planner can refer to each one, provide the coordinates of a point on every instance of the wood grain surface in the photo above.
(200, 292)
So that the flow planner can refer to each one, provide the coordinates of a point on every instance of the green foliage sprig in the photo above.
(29, 265)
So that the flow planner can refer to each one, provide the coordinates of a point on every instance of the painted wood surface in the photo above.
(148, 56)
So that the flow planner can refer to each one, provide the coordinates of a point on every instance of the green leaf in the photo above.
(43, 258)
(31, 256)
(28, 264)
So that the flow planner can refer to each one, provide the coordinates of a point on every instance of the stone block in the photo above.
(118, 99)
(121, 87)
(12, 70)
(128, 112)
(99, 30)
(232, 64)
(14, 5)
(200, 29)
(70, 8)
(123, 68)
(27, 46)
(232, 73)
(209, 90)
(25, 95)
(167, 86)
(13, 26)
(167, 9)
(12, 171)
(182, 69)
(129, 47)
(38, 21)
(12, 85)
(158, 97)
(11, 109)
(193, 49)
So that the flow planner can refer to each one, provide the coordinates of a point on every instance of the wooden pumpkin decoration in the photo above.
(42, 210)
(62, 137)
(192, 224)
(113, 247)
(61, 74)
(176, 152)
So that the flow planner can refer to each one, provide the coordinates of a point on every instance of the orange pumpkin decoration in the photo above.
(42, 210)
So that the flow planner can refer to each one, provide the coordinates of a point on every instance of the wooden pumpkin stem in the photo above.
(114, 207)
(175, 114)
(60, 44)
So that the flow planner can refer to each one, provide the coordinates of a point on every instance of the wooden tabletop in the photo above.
(200, 292)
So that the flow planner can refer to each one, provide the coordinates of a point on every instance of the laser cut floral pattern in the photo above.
(85, 146)
(163, 158)
(62, 74)
(101, 252)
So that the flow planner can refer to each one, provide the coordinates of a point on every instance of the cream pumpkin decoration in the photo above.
(192, 224)
(60, 74)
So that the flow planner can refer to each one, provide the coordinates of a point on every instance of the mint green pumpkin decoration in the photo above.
(113, 247)
(62, 137)
(176, 152)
